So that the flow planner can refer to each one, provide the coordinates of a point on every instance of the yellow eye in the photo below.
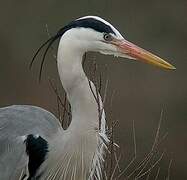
(107, 37)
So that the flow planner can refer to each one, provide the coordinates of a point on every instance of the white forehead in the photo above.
(105, 22)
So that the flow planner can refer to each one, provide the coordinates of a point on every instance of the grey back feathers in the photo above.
(16, 122)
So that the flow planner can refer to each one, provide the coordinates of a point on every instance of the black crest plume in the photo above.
(90, 22)
(47, 44)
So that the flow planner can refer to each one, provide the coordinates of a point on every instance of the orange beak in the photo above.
(135, 52)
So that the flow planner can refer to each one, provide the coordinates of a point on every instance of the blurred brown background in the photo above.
(142, 91)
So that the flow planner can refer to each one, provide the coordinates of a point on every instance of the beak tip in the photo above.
(171, 67)
(138, 53)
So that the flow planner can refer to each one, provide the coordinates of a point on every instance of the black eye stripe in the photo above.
(92, 23)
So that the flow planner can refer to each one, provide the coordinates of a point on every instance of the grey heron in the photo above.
(33, 145)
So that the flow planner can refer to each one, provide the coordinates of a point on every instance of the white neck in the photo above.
(84, 107)
(83, 141)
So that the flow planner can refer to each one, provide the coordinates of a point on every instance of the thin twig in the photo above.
(58, 96)
(169, 169)
(158, 130)
(64, 113)
(148, 158)
(135, 152)
(111, 151)
(116, 166)
(152, 166)
(148, 175)
(157, 174)
(59, 110)
(49, 35)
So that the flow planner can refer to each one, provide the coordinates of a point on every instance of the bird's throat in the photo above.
(79, 89)
(86, 117)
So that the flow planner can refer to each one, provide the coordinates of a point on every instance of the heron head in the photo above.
(92, 33)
